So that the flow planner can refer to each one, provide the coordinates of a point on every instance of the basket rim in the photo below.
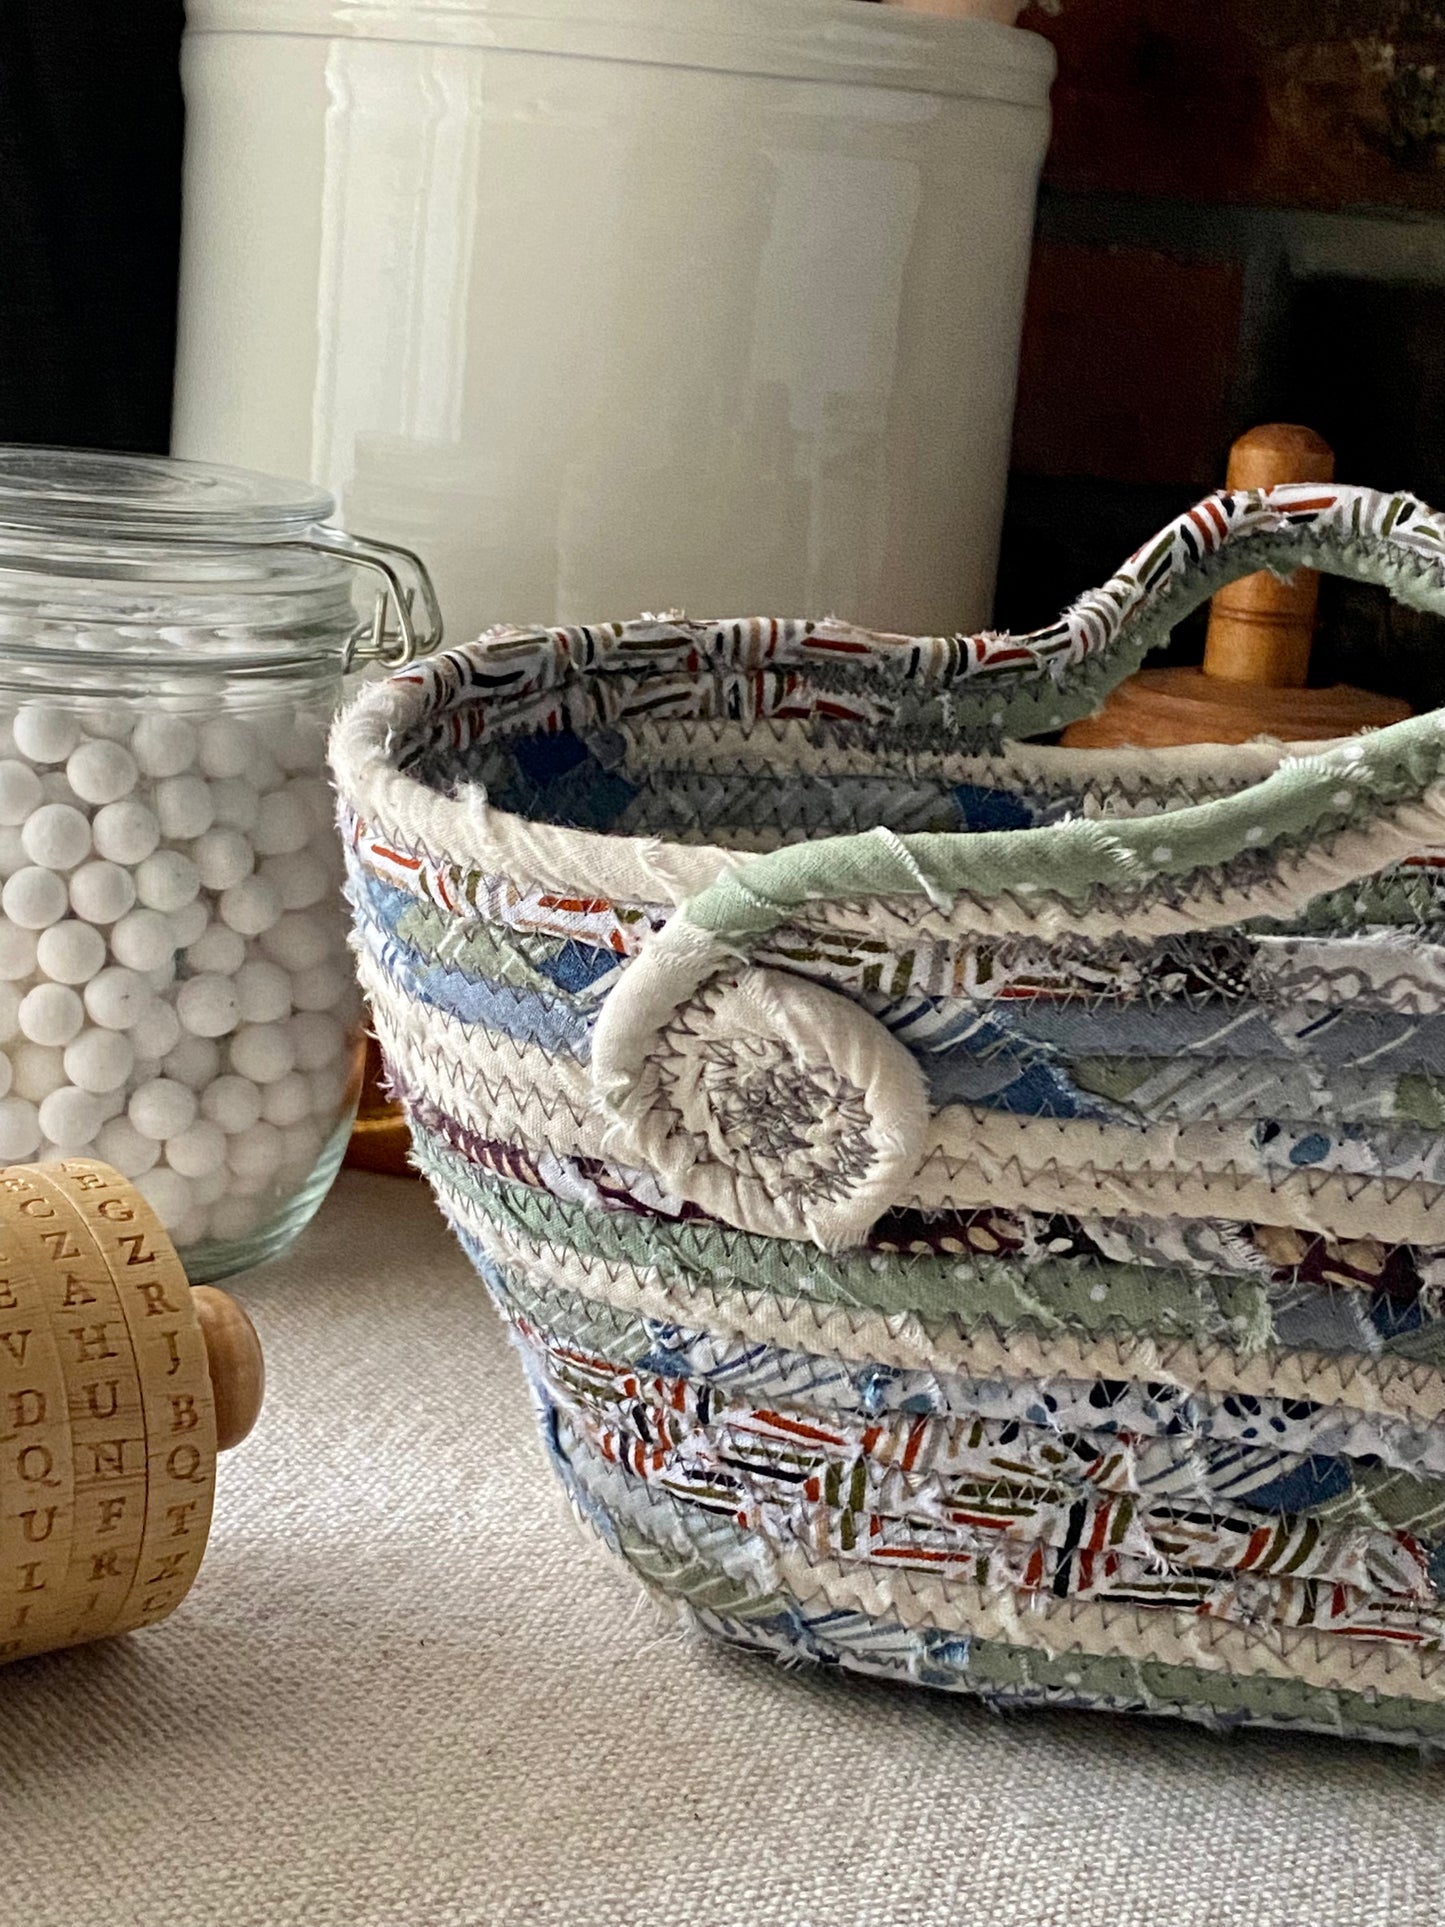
(468, 829)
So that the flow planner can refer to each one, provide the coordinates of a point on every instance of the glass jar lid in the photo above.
(93, 517)
(153, 498)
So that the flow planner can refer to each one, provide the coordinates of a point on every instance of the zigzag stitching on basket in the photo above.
(1147, 1686)
(391, 950)
(1094, 619)
(676, 1440)
(1160, 579)
(1007, 1677)
(1070, 775)
(684, 1247)
(1154, 906)
(1160, 907)
(905, 1340)
(851, 918)
(805, 1576)
(1076, 1187)
(613, 1330)
(446, 952)
(812, 953)
(894, 1489)
(1332, 859)
(691, 1246)
(461, 1031)
(1060, 1625)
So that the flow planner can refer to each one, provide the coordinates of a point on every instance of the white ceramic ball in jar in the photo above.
(173, 945)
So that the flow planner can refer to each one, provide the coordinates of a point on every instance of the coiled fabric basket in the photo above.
(970, 1212)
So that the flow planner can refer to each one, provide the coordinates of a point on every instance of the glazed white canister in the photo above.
(609, 305)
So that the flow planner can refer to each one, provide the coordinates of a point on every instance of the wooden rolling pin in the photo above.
(118, 1384)
(1257, 653)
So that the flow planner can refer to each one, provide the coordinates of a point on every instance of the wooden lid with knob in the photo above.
(1256, 656)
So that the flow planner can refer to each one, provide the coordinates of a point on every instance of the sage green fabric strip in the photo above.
(1307, 801)
(1082, 1295)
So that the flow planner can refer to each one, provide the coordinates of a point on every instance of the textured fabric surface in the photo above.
(407, 1693)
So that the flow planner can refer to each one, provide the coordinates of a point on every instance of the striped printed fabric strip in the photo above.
(1018, 1267)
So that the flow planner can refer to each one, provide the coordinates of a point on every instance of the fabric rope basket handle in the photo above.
(784, 1108)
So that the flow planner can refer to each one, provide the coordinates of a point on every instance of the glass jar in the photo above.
(176, 994)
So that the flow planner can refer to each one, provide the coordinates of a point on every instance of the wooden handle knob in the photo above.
(1260, 628)
(238, 1370)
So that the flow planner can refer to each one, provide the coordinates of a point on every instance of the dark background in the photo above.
(90, 153)
(1242, 219)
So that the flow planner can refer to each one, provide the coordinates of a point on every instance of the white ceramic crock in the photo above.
(608, 305)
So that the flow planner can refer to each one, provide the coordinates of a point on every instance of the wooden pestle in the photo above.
(1256, 655)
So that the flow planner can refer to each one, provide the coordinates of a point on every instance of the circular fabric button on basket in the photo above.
(779, 1107)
